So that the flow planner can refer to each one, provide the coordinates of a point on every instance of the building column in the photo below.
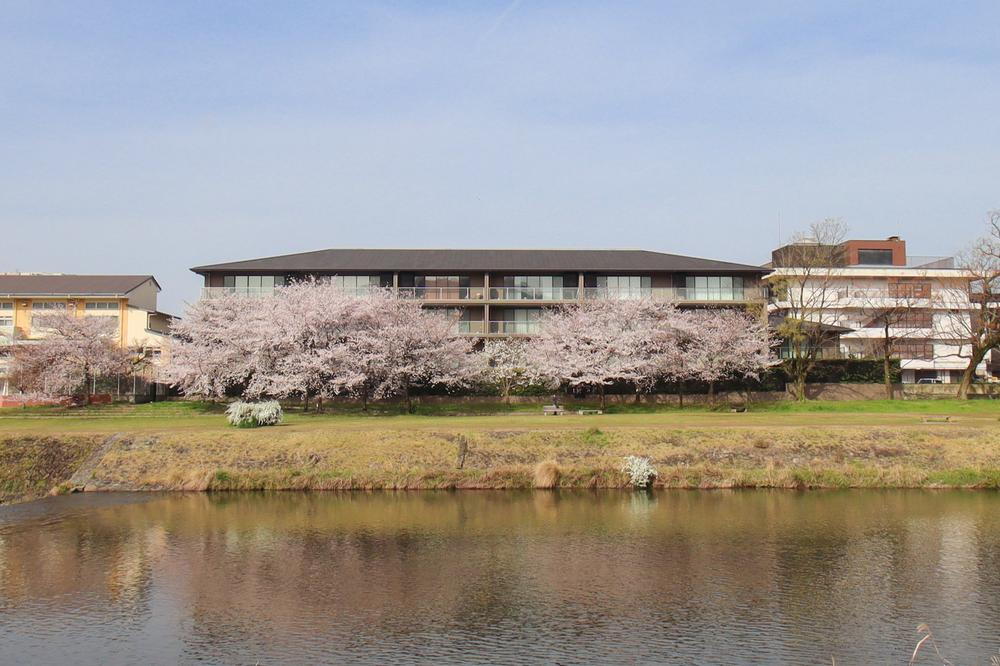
(486, 303)
(395, 282)
(579, 287)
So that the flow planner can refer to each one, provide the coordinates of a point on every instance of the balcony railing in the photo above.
(514, 327)
(678, 294)
(443, 293)
(534, 293)
(555, 295)
(471, 327)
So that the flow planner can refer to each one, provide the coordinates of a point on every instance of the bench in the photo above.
(937, 419)
(587, 412)
(553, 410)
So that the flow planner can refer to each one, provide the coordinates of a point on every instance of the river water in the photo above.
(500, 577)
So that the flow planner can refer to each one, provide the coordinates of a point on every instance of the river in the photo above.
(500, 577)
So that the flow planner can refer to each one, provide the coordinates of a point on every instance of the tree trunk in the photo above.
(506, 393)
(711, 393)
(319, 404)
(305, 402)
(86, 387)
(887, 373)
(680, 395)
(364, 400)
(604, 402)
(969, 373)
(800, 387)
(406, 395)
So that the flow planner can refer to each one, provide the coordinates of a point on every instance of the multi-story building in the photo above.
(501, 292)
(859, 288)
(129, 300)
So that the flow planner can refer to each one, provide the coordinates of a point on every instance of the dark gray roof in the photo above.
(480, 260)
(71, 285)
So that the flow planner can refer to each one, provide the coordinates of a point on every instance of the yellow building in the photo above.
(129, 299)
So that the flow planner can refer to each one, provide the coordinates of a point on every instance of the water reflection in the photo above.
(500, 577)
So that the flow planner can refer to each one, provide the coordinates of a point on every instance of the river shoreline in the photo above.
(917, 456)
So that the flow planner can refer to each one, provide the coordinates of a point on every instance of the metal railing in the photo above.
(514, 327)
(678, 294)
(561, 294)
(534, 293)
(442, 293)
(470, 327)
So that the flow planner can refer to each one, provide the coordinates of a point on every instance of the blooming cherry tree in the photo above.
(728, 343)
(506, 363)
(598, 343)
(72, 353)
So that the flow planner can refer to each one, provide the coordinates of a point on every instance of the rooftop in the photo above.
(60, 284)
(335, 260)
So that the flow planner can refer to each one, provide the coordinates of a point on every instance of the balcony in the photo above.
(513, 327)
(531, 294)
(443, 293)
(534, 293)
(679, 294)
(470, 327)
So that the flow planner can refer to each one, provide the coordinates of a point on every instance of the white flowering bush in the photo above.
(254, 414)
(639, 470)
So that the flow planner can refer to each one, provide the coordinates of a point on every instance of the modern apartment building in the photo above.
(130, 300)
(500, 292)
(854, 289)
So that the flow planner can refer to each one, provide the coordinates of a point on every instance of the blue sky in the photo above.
(150, 137)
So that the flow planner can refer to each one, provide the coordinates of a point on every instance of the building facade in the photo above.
(870, 294)
(496, 293)
(129, 300)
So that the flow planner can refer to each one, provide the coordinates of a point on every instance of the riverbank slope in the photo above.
(197, 451)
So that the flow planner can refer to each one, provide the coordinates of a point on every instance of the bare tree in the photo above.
(903, 313)
(803, 293)
(980, 327)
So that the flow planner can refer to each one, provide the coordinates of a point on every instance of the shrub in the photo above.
(639, 471)
(254, 414)
(547, 474)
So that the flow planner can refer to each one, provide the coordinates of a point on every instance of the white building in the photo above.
(876, 294)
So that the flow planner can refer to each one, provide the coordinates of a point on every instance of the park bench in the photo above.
(937, 419)
(587, 412)
(553, 410)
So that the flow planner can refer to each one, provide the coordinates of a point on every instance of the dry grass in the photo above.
(935, 456)
(547, 474)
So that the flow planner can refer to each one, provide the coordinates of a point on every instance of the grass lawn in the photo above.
(190, 446)
(208, 417)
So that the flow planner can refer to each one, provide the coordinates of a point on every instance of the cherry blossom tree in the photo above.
(72, 353)
(729, 343)
(398, 346)
(506, 363)
(211, 348)
(601, 342)
(313, 339)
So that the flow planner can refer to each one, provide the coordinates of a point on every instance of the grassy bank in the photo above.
(191, 448)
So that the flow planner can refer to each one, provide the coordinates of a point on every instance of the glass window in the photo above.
(6, 322)
(624, 286)
(6, 305)
(252, 284)
(714, 288)
(101, 305)
(48, 305)
(875, 257)
(533, 287)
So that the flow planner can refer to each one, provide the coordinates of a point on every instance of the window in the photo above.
(441, 286)
(908, 289)
(875, 257)
(904, 319)
(152, 353)
(714, 288)
(921, 350)
(6, 305)
(533, 287)
(253, 284)
(6, 322)
(101, 305)
(48, 305)
(624, 286)
(355, 284)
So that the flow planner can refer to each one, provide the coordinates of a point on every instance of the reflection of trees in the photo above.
(820, 573)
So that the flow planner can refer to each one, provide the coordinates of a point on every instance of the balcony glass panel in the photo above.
(714, 288)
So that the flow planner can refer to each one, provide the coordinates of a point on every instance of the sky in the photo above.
(142, 137)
